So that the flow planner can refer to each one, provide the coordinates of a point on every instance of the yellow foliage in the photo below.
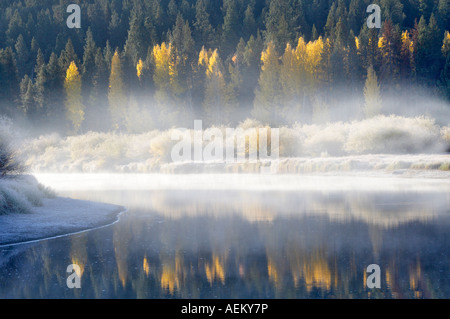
(446, 44)
(139, 68)
(72, 72)
(314, 56)
(203, 58)
(74, 104)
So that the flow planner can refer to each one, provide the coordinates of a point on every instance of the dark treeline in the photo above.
(135, 65)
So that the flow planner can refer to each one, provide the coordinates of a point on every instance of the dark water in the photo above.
(224, 244)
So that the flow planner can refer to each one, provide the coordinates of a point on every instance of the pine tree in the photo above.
(27, 96)
(9, 82)
(266, 107)
(444, 81)
(67, 56)
(136, 44)
(204, 32)
(407, 66)
(74, 102)
(372, 97)
(22, 56)
(50, 93)
(390, 44)
(230, 27)
(215, 103)
(97, 113)
(428, 56)
(249, 27)
(116, 94)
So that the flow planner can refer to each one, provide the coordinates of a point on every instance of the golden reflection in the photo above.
(388, 279)
(415, 278)
(146, 266)
(78, 253)
(215, 269)
(121, 240)
(317, 273)
(172, 273)
(272, 271)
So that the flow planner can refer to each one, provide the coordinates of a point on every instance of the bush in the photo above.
(9, 164)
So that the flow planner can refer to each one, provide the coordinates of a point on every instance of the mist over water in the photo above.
(244, 236)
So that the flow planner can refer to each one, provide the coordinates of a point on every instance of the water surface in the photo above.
(309, 242)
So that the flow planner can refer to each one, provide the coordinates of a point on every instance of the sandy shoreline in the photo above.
(57, 216)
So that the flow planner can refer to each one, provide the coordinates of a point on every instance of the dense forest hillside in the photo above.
(135, 65)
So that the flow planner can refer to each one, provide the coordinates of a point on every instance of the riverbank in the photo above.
(56, 217)
(31, 211)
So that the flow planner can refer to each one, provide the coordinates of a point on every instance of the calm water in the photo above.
(245, 244)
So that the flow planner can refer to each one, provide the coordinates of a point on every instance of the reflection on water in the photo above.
(224, 244)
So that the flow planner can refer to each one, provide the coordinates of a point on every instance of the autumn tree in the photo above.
(74, 102)
(168, 88)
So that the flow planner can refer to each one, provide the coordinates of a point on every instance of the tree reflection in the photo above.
(176, 245)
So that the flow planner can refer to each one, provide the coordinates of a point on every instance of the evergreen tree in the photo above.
(250, 26)
(230, 27)
(27, 96)
(444, 81)
(67, 56)
(390, 44)
(22, 56)
(428, 56)
(372, 97)
(266, 106)
(9, 82)
(116, 94)
(204, 32)
(216, 107)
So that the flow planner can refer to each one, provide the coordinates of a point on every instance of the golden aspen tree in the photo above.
(314, 51)
(372, 97)
(139, 69)
(74, 102)
(165, 77)
(116, 94)
(446, 44)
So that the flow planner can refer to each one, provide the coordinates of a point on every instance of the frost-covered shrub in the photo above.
(325, 139)
(161, 146)
(21, 193)
(144, 152)
(291, 142)
(9, 162)
(394, 134)
(445, 134)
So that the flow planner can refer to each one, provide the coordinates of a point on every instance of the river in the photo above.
(244, 236)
